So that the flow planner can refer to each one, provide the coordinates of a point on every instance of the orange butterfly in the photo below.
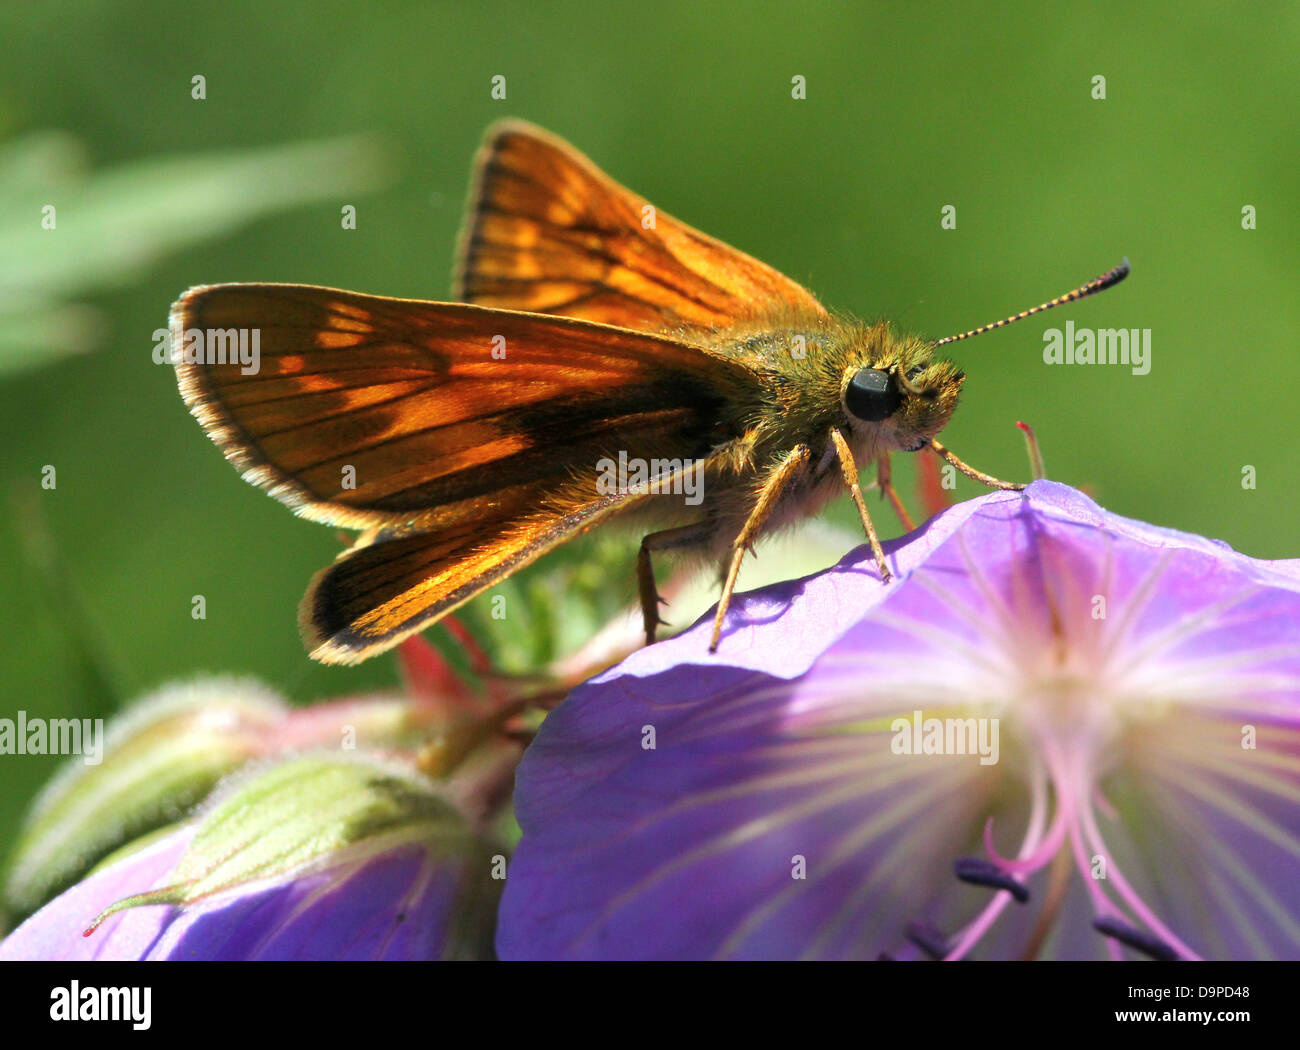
(607, 360)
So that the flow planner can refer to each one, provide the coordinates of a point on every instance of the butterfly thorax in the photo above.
(804, 366)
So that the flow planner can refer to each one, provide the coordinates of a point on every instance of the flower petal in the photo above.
(748, 804)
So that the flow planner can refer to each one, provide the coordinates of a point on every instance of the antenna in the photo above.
(1100, 284)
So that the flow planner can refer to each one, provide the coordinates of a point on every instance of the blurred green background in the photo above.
(909, 107)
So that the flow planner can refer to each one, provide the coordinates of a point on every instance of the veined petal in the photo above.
(55, 932)
(757, 804)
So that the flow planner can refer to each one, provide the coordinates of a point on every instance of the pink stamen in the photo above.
(1047, 850)
(1103, 803)
(1100, 905)
(1129, 895)
(981, 924)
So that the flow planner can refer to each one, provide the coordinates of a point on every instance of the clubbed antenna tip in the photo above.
(1100, 284)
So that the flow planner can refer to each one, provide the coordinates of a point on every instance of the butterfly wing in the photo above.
(549, 232)
(465, 439)
(391, 585)
(372, 412)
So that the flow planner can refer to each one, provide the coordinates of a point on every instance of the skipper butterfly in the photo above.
(606, 361)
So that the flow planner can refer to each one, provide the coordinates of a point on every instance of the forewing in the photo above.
(548, 231)
(370, 412)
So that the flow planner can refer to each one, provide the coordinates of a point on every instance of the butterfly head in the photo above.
(903, 394)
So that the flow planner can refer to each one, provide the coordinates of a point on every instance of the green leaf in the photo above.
(108, 227)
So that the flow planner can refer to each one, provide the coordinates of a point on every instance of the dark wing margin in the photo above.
(387, 588)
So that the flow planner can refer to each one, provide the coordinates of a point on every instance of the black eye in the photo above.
(915, 371)
(872, 396)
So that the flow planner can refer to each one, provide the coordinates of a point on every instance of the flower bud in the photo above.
(316, 857)
(159, 759)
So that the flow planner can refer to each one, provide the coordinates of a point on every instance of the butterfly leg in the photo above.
(775, 481)
(887, 488)
(645, 573)
(971, 472)
(850, 471)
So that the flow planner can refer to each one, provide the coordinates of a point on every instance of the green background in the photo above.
(909, 107)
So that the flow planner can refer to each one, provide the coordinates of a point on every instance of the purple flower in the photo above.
(1059, 733)
(317, 857)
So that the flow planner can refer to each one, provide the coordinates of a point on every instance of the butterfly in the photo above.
(605, 361)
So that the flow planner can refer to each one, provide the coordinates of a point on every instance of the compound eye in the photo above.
(872, 396)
